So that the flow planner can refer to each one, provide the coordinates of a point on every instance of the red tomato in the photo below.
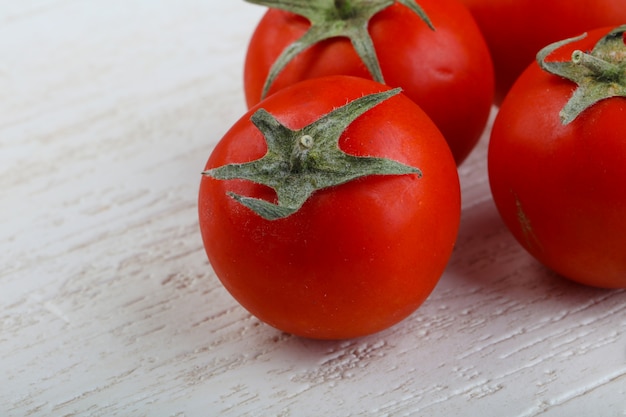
(560, 188)
(516, 30)
(448, 72)
(356, 258)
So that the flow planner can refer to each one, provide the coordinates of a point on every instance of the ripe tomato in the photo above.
(516, 30)
(446, 71)
(355, 258)
(560, 187)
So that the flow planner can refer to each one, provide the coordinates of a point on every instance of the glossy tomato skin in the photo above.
(447, 72)
(516, 30)
(356, 258)
(560, 189)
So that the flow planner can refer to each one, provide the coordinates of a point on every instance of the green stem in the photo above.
(344, 8)
(599, 74)
(600, 67)
(300, 153)
(300, 162)
(335, 19)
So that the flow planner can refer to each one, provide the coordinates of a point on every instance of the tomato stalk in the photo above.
(300, 162)
(332, 19)
(600, 74)
(344, 7)
(600, 68)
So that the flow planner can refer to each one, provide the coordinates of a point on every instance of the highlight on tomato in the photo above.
(331, 209)
(516, 30)
(557, 158)
(433, 50)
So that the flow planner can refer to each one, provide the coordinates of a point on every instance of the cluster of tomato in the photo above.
(331, 208)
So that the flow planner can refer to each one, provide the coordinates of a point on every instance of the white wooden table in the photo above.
(108, 306)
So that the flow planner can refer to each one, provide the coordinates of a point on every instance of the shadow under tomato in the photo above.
(488, 260)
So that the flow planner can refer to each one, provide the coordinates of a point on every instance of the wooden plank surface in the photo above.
(108, 306)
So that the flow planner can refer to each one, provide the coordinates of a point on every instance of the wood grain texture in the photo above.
(108, 306)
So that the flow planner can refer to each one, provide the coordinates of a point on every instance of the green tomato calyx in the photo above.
(332, 19)
(599, 74)
(300, 162)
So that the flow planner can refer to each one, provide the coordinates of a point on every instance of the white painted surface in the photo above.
(108, 307)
